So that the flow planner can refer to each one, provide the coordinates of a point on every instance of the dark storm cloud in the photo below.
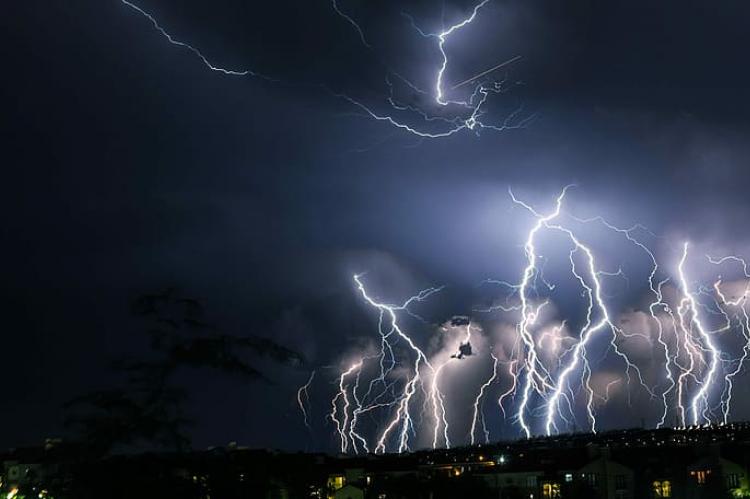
(129, 166)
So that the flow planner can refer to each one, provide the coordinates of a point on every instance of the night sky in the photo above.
(129, 167)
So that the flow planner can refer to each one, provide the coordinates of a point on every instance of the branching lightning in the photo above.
(442, 38)
(553, 372)
(550, 373)
(466, 114)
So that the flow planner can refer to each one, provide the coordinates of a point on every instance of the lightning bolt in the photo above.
(550, 371)
(302, 396)
(477, 413)
(535, 376)
(696, 376)
(744, 322)
(469, 119)
(690, 302)
(471, 109)
(420, 380)
(343, 424)
(402, 420)
(351, 21)
(195, 51)
(442, 38)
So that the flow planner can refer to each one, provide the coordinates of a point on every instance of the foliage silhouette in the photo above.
(149, 407)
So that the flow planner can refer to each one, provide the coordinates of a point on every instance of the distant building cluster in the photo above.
(690, 463)
(627, 465)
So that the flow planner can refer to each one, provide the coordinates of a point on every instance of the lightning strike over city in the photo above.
(352, 250)
(687, 374)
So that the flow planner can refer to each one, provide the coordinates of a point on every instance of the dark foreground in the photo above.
(710, 463)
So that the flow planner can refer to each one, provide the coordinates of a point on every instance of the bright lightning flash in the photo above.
(550, 371)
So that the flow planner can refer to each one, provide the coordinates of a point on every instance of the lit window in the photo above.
(662, 488)
(700, 476)
(568, 477)
(551, 490)
(335, 482)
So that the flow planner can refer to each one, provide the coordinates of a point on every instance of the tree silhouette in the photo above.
(148, 408)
